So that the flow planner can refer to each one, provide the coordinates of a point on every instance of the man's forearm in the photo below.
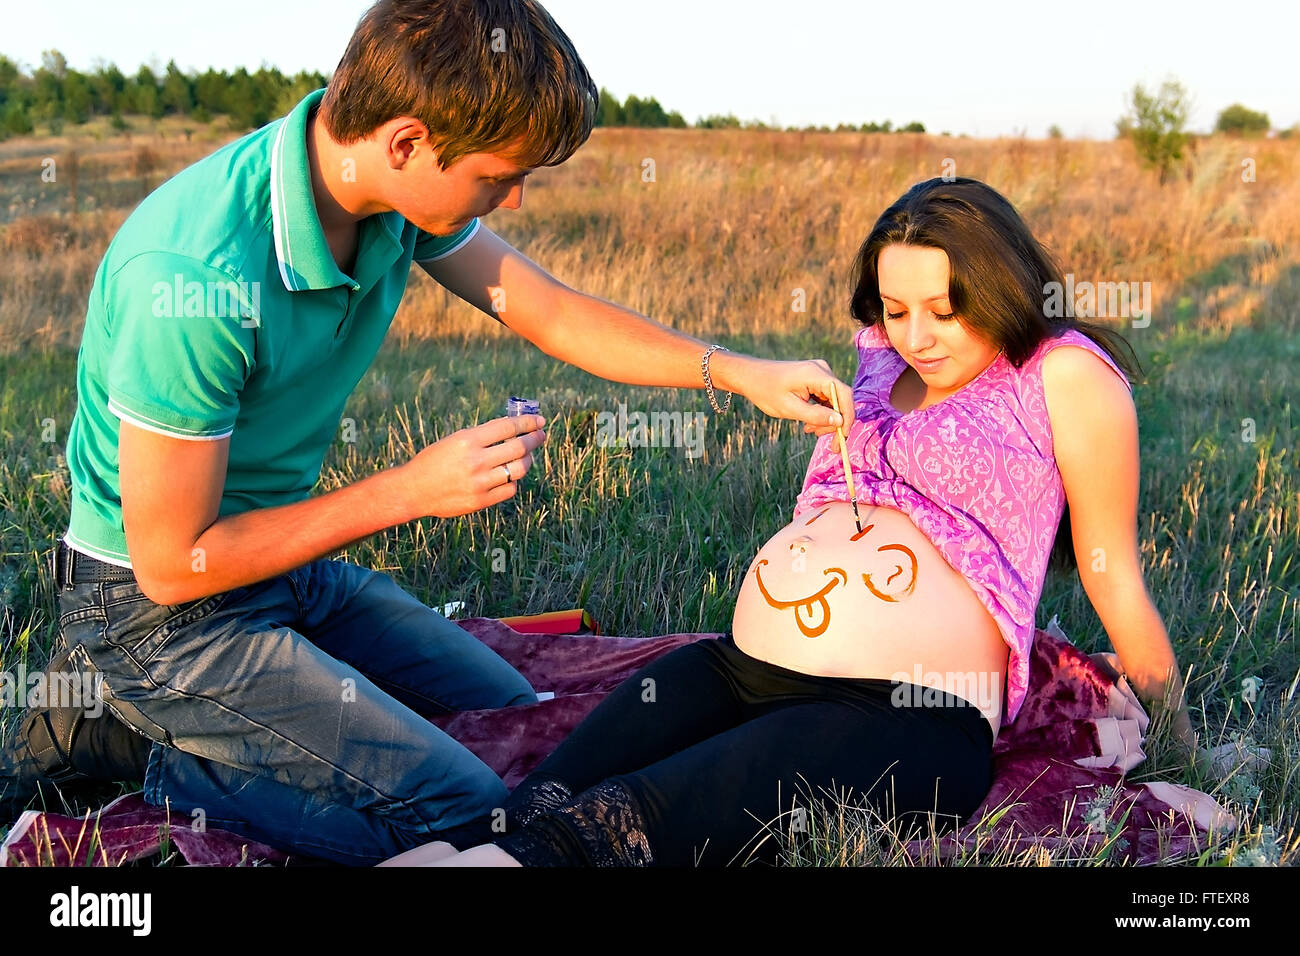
(266, 542)
(618, 344)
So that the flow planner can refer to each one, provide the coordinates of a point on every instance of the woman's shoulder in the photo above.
(1047, 371)
(1052, 345)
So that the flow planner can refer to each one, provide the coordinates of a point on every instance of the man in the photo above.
(267, 689)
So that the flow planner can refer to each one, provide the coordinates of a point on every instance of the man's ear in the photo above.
(405, 136)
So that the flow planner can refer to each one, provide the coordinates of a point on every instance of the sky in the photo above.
(996, 68)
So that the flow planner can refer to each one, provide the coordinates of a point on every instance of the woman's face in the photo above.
(919, 319)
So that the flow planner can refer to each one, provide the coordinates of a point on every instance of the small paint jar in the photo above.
(522, 406)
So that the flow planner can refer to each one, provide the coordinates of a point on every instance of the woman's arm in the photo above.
(1095, 436)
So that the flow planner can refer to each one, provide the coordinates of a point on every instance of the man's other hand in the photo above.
(473, 468)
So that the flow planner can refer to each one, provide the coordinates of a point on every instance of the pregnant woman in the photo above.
(878, 662)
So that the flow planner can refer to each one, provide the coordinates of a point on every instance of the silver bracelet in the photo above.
(708, 379)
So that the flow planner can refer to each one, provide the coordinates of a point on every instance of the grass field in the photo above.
(652, 540)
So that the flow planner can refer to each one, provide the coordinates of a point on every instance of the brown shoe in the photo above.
(39, 755)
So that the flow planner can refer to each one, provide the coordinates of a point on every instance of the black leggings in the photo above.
(702, 754)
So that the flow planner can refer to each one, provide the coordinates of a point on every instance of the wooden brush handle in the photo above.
(844, 446)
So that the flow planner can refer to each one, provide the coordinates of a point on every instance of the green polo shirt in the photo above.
(218, 312)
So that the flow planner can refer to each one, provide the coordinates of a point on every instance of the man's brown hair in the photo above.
(480, 74)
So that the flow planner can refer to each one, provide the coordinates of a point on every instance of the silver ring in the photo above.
(506, 468)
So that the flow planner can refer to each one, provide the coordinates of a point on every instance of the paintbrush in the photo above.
(844, 455)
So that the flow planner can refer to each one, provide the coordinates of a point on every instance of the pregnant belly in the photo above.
(821, 598)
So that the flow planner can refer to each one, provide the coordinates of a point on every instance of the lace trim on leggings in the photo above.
(532, 798)
(602, 826)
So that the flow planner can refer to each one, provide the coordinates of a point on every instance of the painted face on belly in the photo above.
(838, 559)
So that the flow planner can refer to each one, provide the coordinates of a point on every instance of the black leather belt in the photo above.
(69, 567)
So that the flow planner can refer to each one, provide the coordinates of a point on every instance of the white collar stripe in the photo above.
(279, 212)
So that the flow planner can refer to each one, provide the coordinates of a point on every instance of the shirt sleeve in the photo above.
(182, 344)
(429, 247)
(866, 360)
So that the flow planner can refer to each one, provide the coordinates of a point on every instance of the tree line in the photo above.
(55, 94)
(635, 111)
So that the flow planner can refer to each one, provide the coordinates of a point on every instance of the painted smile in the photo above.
(812, 613)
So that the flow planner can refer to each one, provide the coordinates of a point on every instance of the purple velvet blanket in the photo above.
(1059, 783)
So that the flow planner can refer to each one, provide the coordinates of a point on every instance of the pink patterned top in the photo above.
(975, 473)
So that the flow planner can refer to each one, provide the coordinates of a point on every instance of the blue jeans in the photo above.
(294, 710)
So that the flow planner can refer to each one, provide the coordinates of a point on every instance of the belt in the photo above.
(70, 566)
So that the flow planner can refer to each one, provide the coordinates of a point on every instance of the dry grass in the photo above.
(735, 221)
